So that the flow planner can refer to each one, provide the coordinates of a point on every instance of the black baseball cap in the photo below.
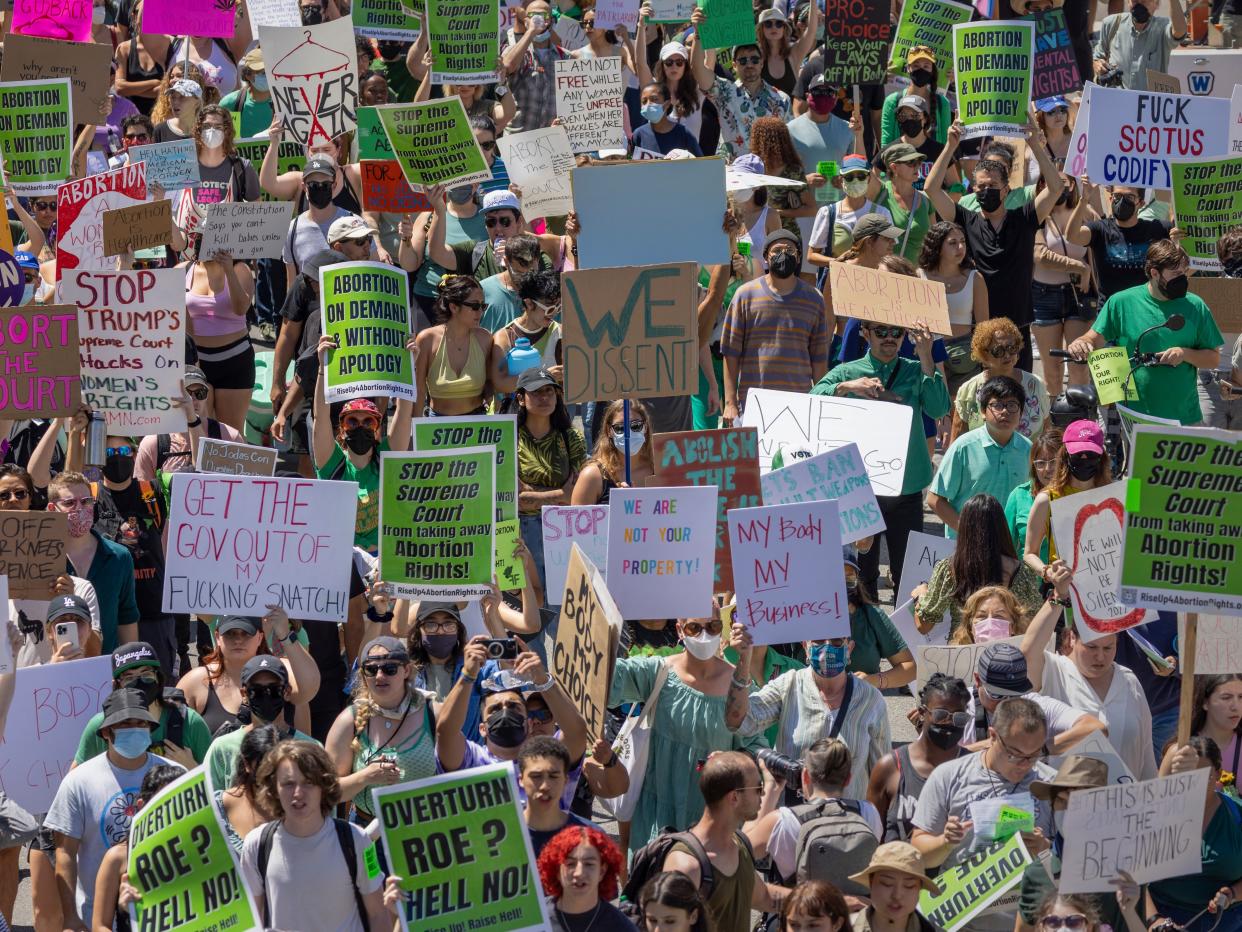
(131, 655)
(68, 605)
(534, 379)
(264, 663)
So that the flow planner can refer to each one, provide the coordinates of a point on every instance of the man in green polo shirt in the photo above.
(883, 375)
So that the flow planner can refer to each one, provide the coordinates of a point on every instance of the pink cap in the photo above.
(1084, 437)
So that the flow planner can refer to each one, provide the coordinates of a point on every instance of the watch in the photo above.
(500, 91)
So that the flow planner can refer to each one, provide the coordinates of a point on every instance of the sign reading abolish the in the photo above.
(994, 62)
(39, 370)
(460, 847)
(1207, 199)
(586, 641)
(887, 298)
(971, 886)
(366, 306)
(36, 134)
(643, 349)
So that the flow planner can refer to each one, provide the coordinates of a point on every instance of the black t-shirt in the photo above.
(1005, 258)
(142, 503)
(604, 918)
(1120, 252)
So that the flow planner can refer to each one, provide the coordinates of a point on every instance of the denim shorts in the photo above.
(1055, 304)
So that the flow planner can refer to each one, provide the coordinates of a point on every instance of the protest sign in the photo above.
(612, 13)
(85, 64)
(960, 660)
(171, 165)
(888, 298)
(1224, 297)
(313, 74)
(728, 23)
(612, 200)
(1136, 134)
(181, 863)
(50, 708)
(1110, 373)
(923, 552)
(565, 526)
(366, 306)
(1207, 200)
(131, 339)
(1218, 644)
(671, 11)
(790, 421)
(463, 40)
(539, 162)
(246, 230)
(385, 19)
(385, 190)
(1151, 829)
(213, 18)
(32, 551)
(289, 157)
(1056, 71)
(902, 618)
(1184, 521)
(994, 62)
(138, 227)
(1096, 745)
(1076, 159)
(437, 522)
(857, 34)
(1235, 120)
(660, 547)
(237, 544)
(588, 102)
(1163, 83)
(1087, 529)
(371, 138)
(70, 20)
(459, 844)
(630, 332)
(788, 573)
(499, 431)
(834, 475)
(79, 206)
(930, 23)
(727, 459)
(234, 459)
(272, 13)
(586, 641)
(434, 143)
(36, 134)
(969, 887)
(39, 371)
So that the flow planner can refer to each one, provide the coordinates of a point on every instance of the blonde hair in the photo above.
(366, 708)
(607, 455)
(964, 633)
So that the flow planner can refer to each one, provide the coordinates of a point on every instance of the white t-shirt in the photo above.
(783, 844)
(95, 804)
(307, 887)
(845, 218)
(37, 651)
(1061, 717)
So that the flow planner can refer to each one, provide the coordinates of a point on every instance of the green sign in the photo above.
(728, 23)
(1110, 371)
(1184, 521)
(181, 863)
(500, 431)
(372, 140)
(460, 847)
(437, 522)
(366, 306)
(994, 62)
(434, 143)
(930, 23)
(36, 134)
(1207, 200)
(290, 156)
(387, 19)
(972, 885)
(464, 40)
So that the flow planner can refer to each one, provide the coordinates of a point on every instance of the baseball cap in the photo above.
(325, 257)
(1002, 667)
(361, 406)
(1083, 437)
(395, 646)
(672, 49)
(127, 656)
(501, 200)
(900, 152)
(68, 605)
(264, 663)
(914, 102)
(821, 84)
(536, 378)
(351, 227)
(27, 260)
(781, 236)
(195, 376)
(774, 14)
(426, 609)
(319, 165)
(238, 623)
(253, 59)
(186, 88)
(749, 163)
(854, 163)
(1048, 104)
(875, 225)
(920, 53)
(123, 705)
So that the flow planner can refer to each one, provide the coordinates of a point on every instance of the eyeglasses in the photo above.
(635, 427)
(43, 205)
(372, 670)
(123, 450)
(1076, 921)
(213, 125)
(439, 627)
(487, 146)
(505, 222)
(1004, 407)
(1015, 758)
(1002, 350)
(473, 305)
(539, 716)
(944, 717)
(198, 394)
(695, 628)
(885, 332)
(1043, 464)
(74, 504)
(745, 60)
(17, 495)
(136, 137)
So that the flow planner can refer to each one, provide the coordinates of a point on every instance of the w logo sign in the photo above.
(1201, 82)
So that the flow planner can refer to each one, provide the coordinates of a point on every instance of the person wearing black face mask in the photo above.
(1136, 41)
(923, 71)
(1119, 241)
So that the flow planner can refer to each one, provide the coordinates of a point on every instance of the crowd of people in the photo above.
(772, 784)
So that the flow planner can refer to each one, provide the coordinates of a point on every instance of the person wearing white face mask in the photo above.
(33, 281)
(605, 470)
(226, 176)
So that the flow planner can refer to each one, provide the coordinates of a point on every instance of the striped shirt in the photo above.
(781, 341)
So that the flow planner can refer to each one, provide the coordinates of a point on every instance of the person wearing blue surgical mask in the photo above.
(30, 276)
(660, 133)
(254, 99)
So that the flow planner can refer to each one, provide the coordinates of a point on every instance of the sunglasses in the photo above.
(885, 332)
(350, 422)
(473, 305)
(43, 205)
(198, 394)
(944, 717)
(487, 146)
(136, 137)
(539, 716)
(1076, 921)
(745, 60)
(372, 670)
(674, 63)
(498, 222)
(774, 24)
(635, 427)
(17, 495)
(695, 628)
(1004, 349)
(123, 450)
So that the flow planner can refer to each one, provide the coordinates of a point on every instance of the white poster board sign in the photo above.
(564, 526)
(246, 229)
(902, 618)
(958, 660)
(539, 162)
(1218, 643)
(835, 475)
(588, 102)
(1097, 746)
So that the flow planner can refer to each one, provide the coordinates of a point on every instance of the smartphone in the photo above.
(67, 631)
(501, 648)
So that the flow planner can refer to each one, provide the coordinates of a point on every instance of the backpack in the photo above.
(344, 835)
(649, 861)
(163, 444)
(834, 841)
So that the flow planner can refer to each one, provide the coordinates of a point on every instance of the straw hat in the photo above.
(902, 858)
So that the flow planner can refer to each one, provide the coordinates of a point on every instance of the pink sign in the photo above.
(53, 19)
(214, 18)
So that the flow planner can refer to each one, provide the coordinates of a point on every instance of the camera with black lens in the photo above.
(786, 769)
(501, 648)
(1110, 78)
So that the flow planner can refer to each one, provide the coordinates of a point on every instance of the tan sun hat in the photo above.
(901, 857)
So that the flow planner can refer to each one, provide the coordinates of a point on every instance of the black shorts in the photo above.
(229, 366)
(1054, 304)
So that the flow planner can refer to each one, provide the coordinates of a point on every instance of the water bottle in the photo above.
(96, 440)
(498, 250)
(522, 357)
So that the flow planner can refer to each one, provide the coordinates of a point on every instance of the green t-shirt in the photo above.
(196, 736)
(256, 115)
(1163, 391)
(875, 638)
(912, 231)
(366, 525)
(222, 756)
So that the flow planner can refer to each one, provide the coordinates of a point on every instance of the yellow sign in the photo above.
(1110, 371)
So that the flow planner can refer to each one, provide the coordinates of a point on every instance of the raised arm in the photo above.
(282, 187)
(802, 48)
(323, 444)
(933, 187)
(703, 74)
(1039, 633)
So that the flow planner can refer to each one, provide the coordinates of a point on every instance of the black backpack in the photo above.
(163, 444)
(649, 861)
(344, 835)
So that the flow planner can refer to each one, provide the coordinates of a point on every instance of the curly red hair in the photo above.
(566, 840)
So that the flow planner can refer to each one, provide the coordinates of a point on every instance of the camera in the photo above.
(501, 648)
(788, 769)
(1110, 78)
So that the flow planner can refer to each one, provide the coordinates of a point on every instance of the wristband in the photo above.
(740, 684)
(197, 422)
(544, 688)
(373, 615)
(1064, 603)
(469, 678)
(612, 763)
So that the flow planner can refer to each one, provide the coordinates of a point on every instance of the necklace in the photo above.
(594, 915)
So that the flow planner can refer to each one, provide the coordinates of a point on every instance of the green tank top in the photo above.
(729, 903)
(415, 756)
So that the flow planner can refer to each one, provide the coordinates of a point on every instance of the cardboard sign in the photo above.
(788, 572)
(246, 230)
(70, 21)
(51, 705)
(613, 200)
(1207, 202)
(214, 18)
(313, 73)
(994, 62)
(172, 166)
(857, 34)
(138, 227)
(539, 162)
(394, 20)
(272, 13)
(131, 338)
(463, 40)
(385, 190)
(80, 205)
(727, 459)
(728, 23)
(566, 527)
(32, 551)
(1151, 829)
(234, 459)
(923, 552)
(951, 659)
(437, 522)
(36, 134)
(459, 844)
(1218, 644)
(85, 64)
(1183, 521)
(1087, 528)
(1223, 297)
(972, 885)
(366, 306)
(1056, 70)
(882, 297)
(797, 423)
(835, 475)
(1136, 134)
(588, 102)
(1163, 83)
(237, 544)
(661, 544)
(586, 641)
(930, 23)
(181, 861)
(630, 332)
(39, 371)
(434, 143)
